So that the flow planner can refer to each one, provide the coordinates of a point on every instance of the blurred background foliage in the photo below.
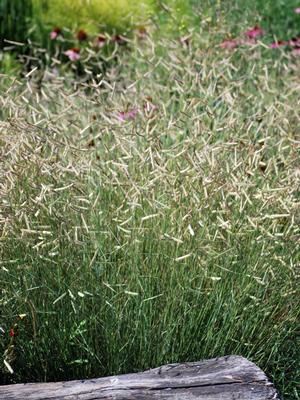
(29, 22)
(15, 19)
(31, 18)
(34, 19)
(94, 15)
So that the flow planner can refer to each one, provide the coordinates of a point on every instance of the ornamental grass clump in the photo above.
(150, 214)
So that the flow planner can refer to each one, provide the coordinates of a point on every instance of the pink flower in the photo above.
(297, 10)
(229, 44)
(296, 51)
(73, 54)
(279, 43)
(81, 35)
(100, 41)
(148, 104)
(127, 115)
(294, 42)
(55, 33)
(118, 39)
(254, 32)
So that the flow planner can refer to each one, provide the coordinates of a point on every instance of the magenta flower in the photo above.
(118, 39)
(127, 115)
(55, 33)
(81, 35)
(297, 10)
(254, 32)
(229, 44)
(279, 43)
(296, 51)
(100, 41)
(73, 54)
(294, 42)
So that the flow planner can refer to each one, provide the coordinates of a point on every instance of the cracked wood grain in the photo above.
(226, 378)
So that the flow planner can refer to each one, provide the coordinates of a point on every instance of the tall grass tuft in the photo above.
(152, 215)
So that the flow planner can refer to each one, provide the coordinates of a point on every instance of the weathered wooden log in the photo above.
(226, 378)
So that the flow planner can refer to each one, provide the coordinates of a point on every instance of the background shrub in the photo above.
(96, 14)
